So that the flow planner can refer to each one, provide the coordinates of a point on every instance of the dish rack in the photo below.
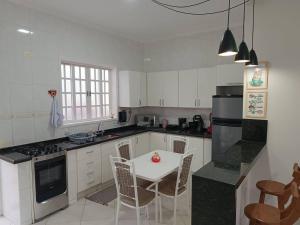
(82, 138)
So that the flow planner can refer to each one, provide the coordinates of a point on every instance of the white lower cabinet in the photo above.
(72, 176)
(158, 141)
(196, 147)
(88, 167)
(207, 150)
(107, 149)
(140, 144)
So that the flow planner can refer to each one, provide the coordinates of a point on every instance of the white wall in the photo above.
(30, 66)
(187, 52)
(277, 38)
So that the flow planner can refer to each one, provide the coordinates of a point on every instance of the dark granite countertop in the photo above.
(9, 155)
(236, 163)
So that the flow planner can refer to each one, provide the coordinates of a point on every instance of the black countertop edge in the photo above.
(9, 155)
(229, 173)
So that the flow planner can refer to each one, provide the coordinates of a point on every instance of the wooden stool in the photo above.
(277, 189)
(262, 214)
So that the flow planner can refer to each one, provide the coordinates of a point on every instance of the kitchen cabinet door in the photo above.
(207, 82)
(107, 149)
(132, 90)
(230, 75)
(188, 88)
(88, 167)
(72, 176)
(154, 88)
(207, 150)
(140, 144)
(170, 89)
(196, 147)
(158, 141)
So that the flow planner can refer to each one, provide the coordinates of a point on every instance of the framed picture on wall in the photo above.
(256, 104)
(257, 77)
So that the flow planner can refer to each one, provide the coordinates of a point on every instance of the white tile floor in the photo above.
(85, 212)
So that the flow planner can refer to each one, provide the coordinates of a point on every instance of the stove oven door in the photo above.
(50, 178)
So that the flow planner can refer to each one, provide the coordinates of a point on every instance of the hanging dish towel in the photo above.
(56, 117)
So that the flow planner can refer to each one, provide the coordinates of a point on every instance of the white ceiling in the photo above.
(139, 20)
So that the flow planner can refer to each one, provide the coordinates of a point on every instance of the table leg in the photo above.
(156, 203)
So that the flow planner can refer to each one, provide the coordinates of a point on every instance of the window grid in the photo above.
(86, 92)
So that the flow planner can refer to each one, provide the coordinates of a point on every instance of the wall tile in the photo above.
(21, 99)
(5, 133)
(23, 131)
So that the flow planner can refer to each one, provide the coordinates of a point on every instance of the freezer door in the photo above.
(227, 107)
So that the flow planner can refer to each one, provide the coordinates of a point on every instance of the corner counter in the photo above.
(221, 190)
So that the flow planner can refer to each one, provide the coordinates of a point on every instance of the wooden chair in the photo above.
(179, 144)
(262, 214)
(128, 192)
(278, 189)
(174, 188)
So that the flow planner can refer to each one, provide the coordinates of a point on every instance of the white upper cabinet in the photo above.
(163, 89)
(230, 75)
(207, 81)
(132, 89)
(140, 144)
(196, 88)
(188, 88)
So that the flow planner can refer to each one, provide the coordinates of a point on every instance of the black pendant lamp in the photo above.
(253, 57)
(243, 55)
(228, 45)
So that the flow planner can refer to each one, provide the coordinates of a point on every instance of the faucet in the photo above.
(100, 129)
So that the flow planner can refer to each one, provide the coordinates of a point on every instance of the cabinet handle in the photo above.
(198, 102)
(140, 102)
(89, 152)
(159, 102)
(195, 102)
(163, 102)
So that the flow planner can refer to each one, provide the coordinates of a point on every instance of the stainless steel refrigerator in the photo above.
(227, 113)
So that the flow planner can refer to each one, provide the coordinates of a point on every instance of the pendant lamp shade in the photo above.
(228, 45)
(253, 59)
(243, 55)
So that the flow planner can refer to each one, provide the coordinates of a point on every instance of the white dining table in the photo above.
(155, 172)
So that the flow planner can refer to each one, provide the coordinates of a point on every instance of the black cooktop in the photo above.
(38, 149)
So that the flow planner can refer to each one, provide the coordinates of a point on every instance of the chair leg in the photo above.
(160, 210)
(188, 203)
(138, 221)
(175, 211)
(117, 212)
(262, 197)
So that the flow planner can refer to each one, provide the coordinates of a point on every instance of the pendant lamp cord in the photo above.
(253, 22)
(244, 20)
(228, 19)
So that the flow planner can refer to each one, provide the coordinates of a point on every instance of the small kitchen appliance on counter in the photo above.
(197, 124)
(147, 120)
(182, 123)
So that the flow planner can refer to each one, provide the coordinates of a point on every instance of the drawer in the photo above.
(88, 154)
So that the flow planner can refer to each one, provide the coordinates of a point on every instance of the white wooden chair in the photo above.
(174, 187)
(179, 144)
(124, 149)
(128, 193)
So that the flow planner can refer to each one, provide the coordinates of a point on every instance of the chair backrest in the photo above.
(124, 149)
(292, 213)
(184, 171)
(125, 179)
(179, 144)
(296, 174)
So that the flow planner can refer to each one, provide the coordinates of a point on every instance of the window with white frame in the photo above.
(86, 92)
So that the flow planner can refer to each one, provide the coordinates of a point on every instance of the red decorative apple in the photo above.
(155, 158)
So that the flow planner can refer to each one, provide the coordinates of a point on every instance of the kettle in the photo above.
(197, 119)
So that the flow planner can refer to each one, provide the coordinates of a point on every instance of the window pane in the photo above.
(98, 112)
(98, 99)
(68, 86)
(93, 90)
(63, 85)
(78, 101)
(107, 99)
(77, 73)
(68, 71)
(83, 73)
(83, 100)
(103, 99)
(69, 114)
(83, 86)
(78, 113)
(69, 100)
(84, 113)
(98, 87)
(92, 74)
(106, 87)
(77, 85)
(63, 96)
(106, 75)
(93, 112)
(97, 74)
(93, 99)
